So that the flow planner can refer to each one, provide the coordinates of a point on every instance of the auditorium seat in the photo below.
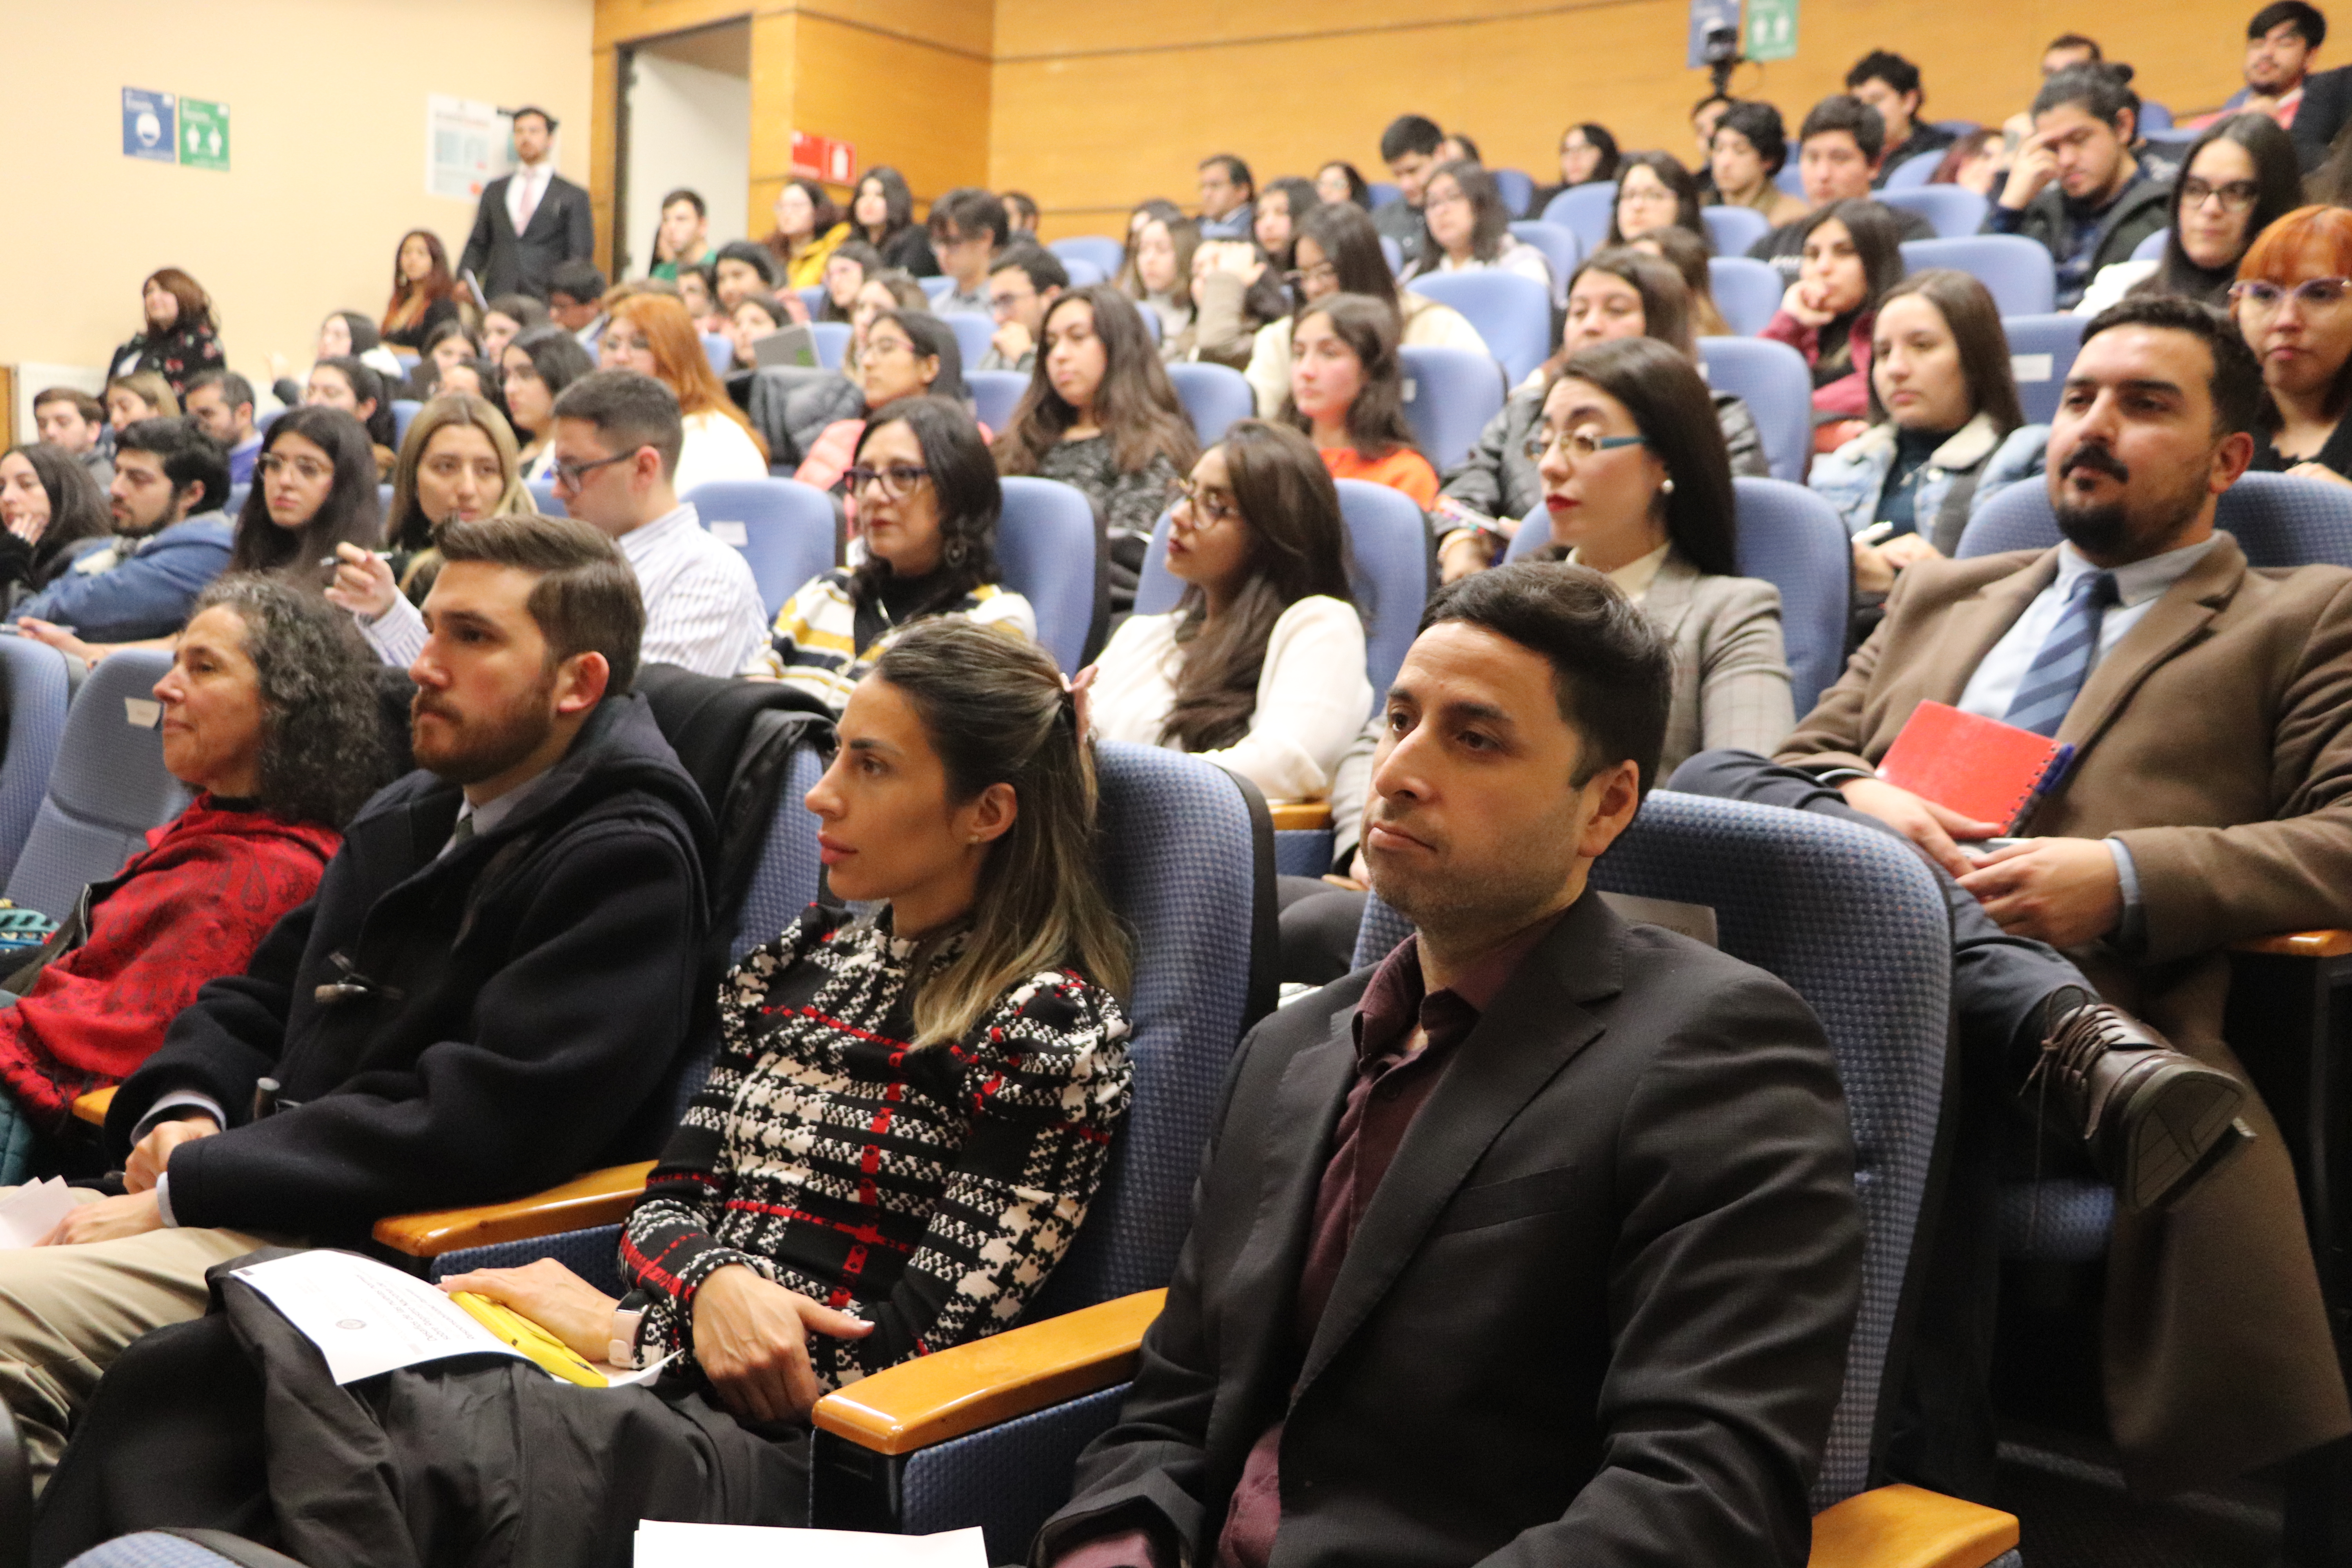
(403, 415)
(1732, 230)
(1771, 378)
(543, 496)
(1392, 253)
(1102, 252)
(1083, 273)
(1559, 245)
(2152, 247)
(937, 289)
(1748, 292)
(1382, 194)
(1584, 211)
(1913, 173)
(1151, 324)
(1214, 395)
(719, 351)
(1515, 187)
(996, 394)
(106, 789)
(812, 300)
(1449, 395)
(2281, 521)
(973, 330)
(2018, 271)
(2041, 351)
(785, 529)
(831, 341)
(1791, 177)
(1955, 212)
(36, 693)
(2154, 117)
(236, 507)
(1511, 313)
(1049, 549)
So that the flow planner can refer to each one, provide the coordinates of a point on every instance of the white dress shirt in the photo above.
(532, 178)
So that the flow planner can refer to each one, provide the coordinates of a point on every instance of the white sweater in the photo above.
(1312, 695)
(716, 447)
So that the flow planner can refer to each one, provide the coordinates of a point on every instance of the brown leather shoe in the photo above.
(2154, 1121)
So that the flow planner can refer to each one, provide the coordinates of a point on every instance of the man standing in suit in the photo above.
(2209, 800)
(531, 222)
(1539, 1237)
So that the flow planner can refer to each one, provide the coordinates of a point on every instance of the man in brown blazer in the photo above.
(2209, 800)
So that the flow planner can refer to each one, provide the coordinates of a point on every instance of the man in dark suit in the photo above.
(1540, 1235)
(531, 222)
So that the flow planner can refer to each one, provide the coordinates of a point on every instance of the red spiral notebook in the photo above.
(1981, 768)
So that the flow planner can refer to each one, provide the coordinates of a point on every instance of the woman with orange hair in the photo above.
(423, 295)
(653, 335)
(2292, 300)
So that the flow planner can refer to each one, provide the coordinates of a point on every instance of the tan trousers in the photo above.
(66, 1312)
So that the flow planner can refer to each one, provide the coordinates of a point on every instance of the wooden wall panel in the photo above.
(921, 105)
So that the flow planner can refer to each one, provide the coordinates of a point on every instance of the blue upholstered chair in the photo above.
(785, 529)
(1790, 178)
(1382, 194)
(1734, 229)
(1515, 186)
(996, 394)
(1083, 272)
(1586, 210)
(974, 329)
(1049, 549)
(1559, 245)
(831, 341)
(36, 693)
(1214, 395)
(1511, 313)
(403, 415)
(937, 289)
(1745, 291)
(719, 351)
(1954, 211)
(543, 496)
(812, 300)
(2041, 351)
(1912, 174)
(1392, 253)
(1100, 250)
(2279, 521)
(2018, 272)
(1449, 395)
(106, 789)
(2152, 247)
(1772, 379)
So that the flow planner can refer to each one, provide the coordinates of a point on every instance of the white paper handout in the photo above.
(661, 1544)
(32, 1211)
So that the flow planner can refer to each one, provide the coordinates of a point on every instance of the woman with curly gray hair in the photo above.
(269, 715)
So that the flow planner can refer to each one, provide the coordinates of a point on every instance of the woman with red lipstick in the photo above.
(2292, 301)
(1347, 394)
(1260, 666)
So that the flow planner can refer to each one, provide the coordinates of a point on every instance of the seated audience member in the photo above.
(552, 828)
(1227, 198)
(883, 214)
(1751, 147)
(1977, 162)
(539, 364)
(651, 335)
(1688, 255)
(1022, 280)
(979, 1001)
(2282, 40)
(2203, 807)
(967, 227)
(616, 442)
(75, 423)
(1280, 206)
(928, 504)
(1020, 213)
(744, 268)
(1838, 150)
(808, 227)
(698, 291)
(1457, 148)
(269, 716)
(1160, 279)
(2076, 188)
(890, 290)
(1338, 251)
(908, 354)
(314, 491)
(358, 391)
(48, 505)
(1099, 415)
(1260, 666)
(1159, 208)
(1338, 181)
(458, 465)
(853, 261)
(1617, 293)
(1410, 148)
(450, 343)
(1705, 116)
(2292, 307)
(178, 336)
(681, 234)
(344, 334)
(1942, 401)
(1654, 191)
(423, 295)
(576, 301)
(1236, 292)
(2239, 178)
(142, 395)
(1587, 153)
(755, 316)
(2062, 53)
(1470, 228)
(221, 403)
(1890, 84)
(171, 539)
(1851, 256)
(1347, 394)
(1537, 1030)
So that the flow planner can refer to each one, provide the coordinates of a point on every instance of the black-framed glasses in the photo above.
(1581, 444)
(2237, 195)
(1209, 507)
(2312, 294)
(571, 476)
(898, 481)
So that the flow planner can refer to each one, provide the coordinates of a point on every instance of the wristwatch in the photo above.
(628, 1348)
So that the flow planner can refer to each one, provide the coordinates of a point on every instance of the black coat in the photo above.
(562, 229)
(526, 1005)
(1595, 1314)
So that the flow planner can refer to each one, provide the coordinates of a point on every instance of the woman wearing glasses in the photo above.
(907, 353)
(928, 503)
(2239, 178)
(2292, 301)
(1260, 666)
(1470, 228)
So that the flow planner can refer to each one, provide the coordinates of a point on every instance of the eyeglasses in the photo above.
(1581, 444)
(1209, 507)
(571, 476)
(2312, 294)
(1005, 304)
(307, 468)
(1321, 272)
(2237, 196)
(898, 481)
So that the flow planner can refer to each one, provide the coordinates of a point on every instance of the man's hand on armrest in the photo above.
(1934, 829)
(152, 1157)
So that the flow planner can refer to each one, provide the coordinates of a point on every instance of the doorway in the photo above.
(684, 122)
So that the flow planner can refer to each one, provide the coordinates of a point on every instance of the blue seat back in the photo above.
(996, 394)
(1511, 313)
(1853, 922)
(786, 879)
(542, 496)
(1585, 210)
(2281, 521)
(403, 415)
(937, 289)
(2152, 247)
(34, 686)
(812, 300)
(1745, 291)
(719, 351)
(1912, 174)
(1153, 325)
(1382, 194)
(1954, 211)
(1392, 253)
(2017, 270)
(974, 329)
(1734, 229)
(1083, 273)
(1449, 395)
(1049, 551)
(1790, 178)
(2041, 351)
(1098, 250)
(236, 507)
(785, 529)
(2153, 117)
(107, 789)
(1559, 245)
(831, 341)
(266, 418)
(1777, 388)
(1214, 395)
(1516, 186)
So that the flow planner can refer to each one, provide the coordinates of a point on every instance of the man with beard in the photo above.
(171, 539)
(2209, 800)
(488, 994)
(1590, 1183)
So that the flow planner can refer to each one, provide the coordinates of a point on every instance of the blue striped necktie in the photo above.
(2056, 673)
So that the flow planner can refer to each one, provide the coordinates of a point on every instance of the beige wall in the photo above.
(327, 151)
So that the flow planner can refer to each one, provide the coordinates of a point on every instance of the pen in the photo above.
(1873, 533)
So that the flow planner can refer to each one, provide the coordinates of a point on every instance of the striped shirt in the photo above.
(817, 643)
(702, 608)
(930, 1192)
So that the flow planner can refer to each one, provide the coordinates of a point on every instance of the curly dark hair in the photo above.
(322, 752)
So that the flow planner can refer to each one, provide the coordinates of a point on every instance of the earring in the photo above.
(1666, 487)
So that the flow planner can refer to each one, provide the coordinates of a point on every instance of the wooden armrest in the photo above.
(1906, 1527)
(600, 1197)
(1304, 815)
(2333, 943)
(92, 1107)
(933, 1398)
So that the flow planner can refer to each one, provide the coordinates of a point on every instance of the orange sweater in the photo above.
(1402, 469)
